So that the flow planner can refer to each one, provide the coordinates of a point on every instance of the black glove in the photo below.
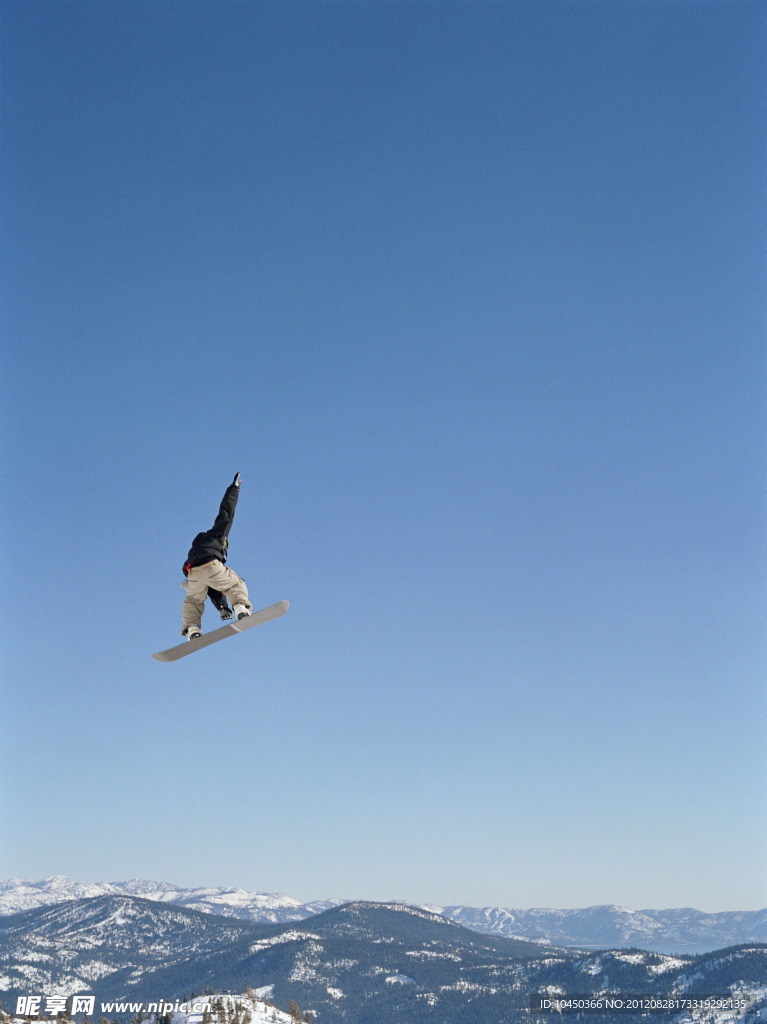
(236, 480)
(226, 613)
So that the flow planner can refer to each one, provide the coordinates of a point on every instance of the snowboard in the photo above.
(237, 626)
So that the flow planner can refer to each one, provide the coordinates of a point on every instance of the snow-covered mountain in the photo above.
(359, 963)
(683, 929)
(18, 894)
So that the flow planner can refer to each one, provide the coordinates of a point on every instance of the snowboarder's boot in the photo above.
(241, 611)
(192, 632)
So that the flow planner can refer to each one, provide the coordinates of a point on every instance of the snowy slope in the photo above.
(248, 1008)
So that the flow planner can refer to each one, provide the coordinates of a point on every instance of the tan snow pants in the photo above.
(218, 576)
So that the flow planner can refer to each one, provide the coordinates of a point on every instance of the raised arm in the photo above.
(225, 515)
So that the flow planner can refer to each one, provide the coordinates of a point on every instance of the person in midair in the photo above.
(207, 575)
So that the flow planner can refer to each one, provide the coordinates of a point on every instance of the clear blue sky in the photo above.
(472, 295)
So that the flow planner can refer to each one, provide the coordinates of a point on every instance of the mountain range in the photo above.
(357, 963)
(677, 930)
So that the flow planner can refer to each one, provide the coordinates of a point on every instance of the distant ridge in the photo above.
(618, 927)
(614, 926)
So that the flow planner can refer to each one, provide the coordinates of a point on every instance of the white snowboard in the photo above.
(237, 626)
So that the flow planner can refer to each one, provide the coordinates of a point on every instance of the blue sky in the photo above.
(472, 295)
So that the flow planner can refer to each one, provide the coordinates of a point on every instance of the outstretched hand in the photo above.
(237, 479)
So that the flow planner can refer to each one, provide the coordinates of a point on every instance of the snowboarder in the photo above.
(208, 576)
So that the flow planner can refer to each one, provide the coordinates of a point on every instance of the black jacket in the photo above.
(213, 543)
